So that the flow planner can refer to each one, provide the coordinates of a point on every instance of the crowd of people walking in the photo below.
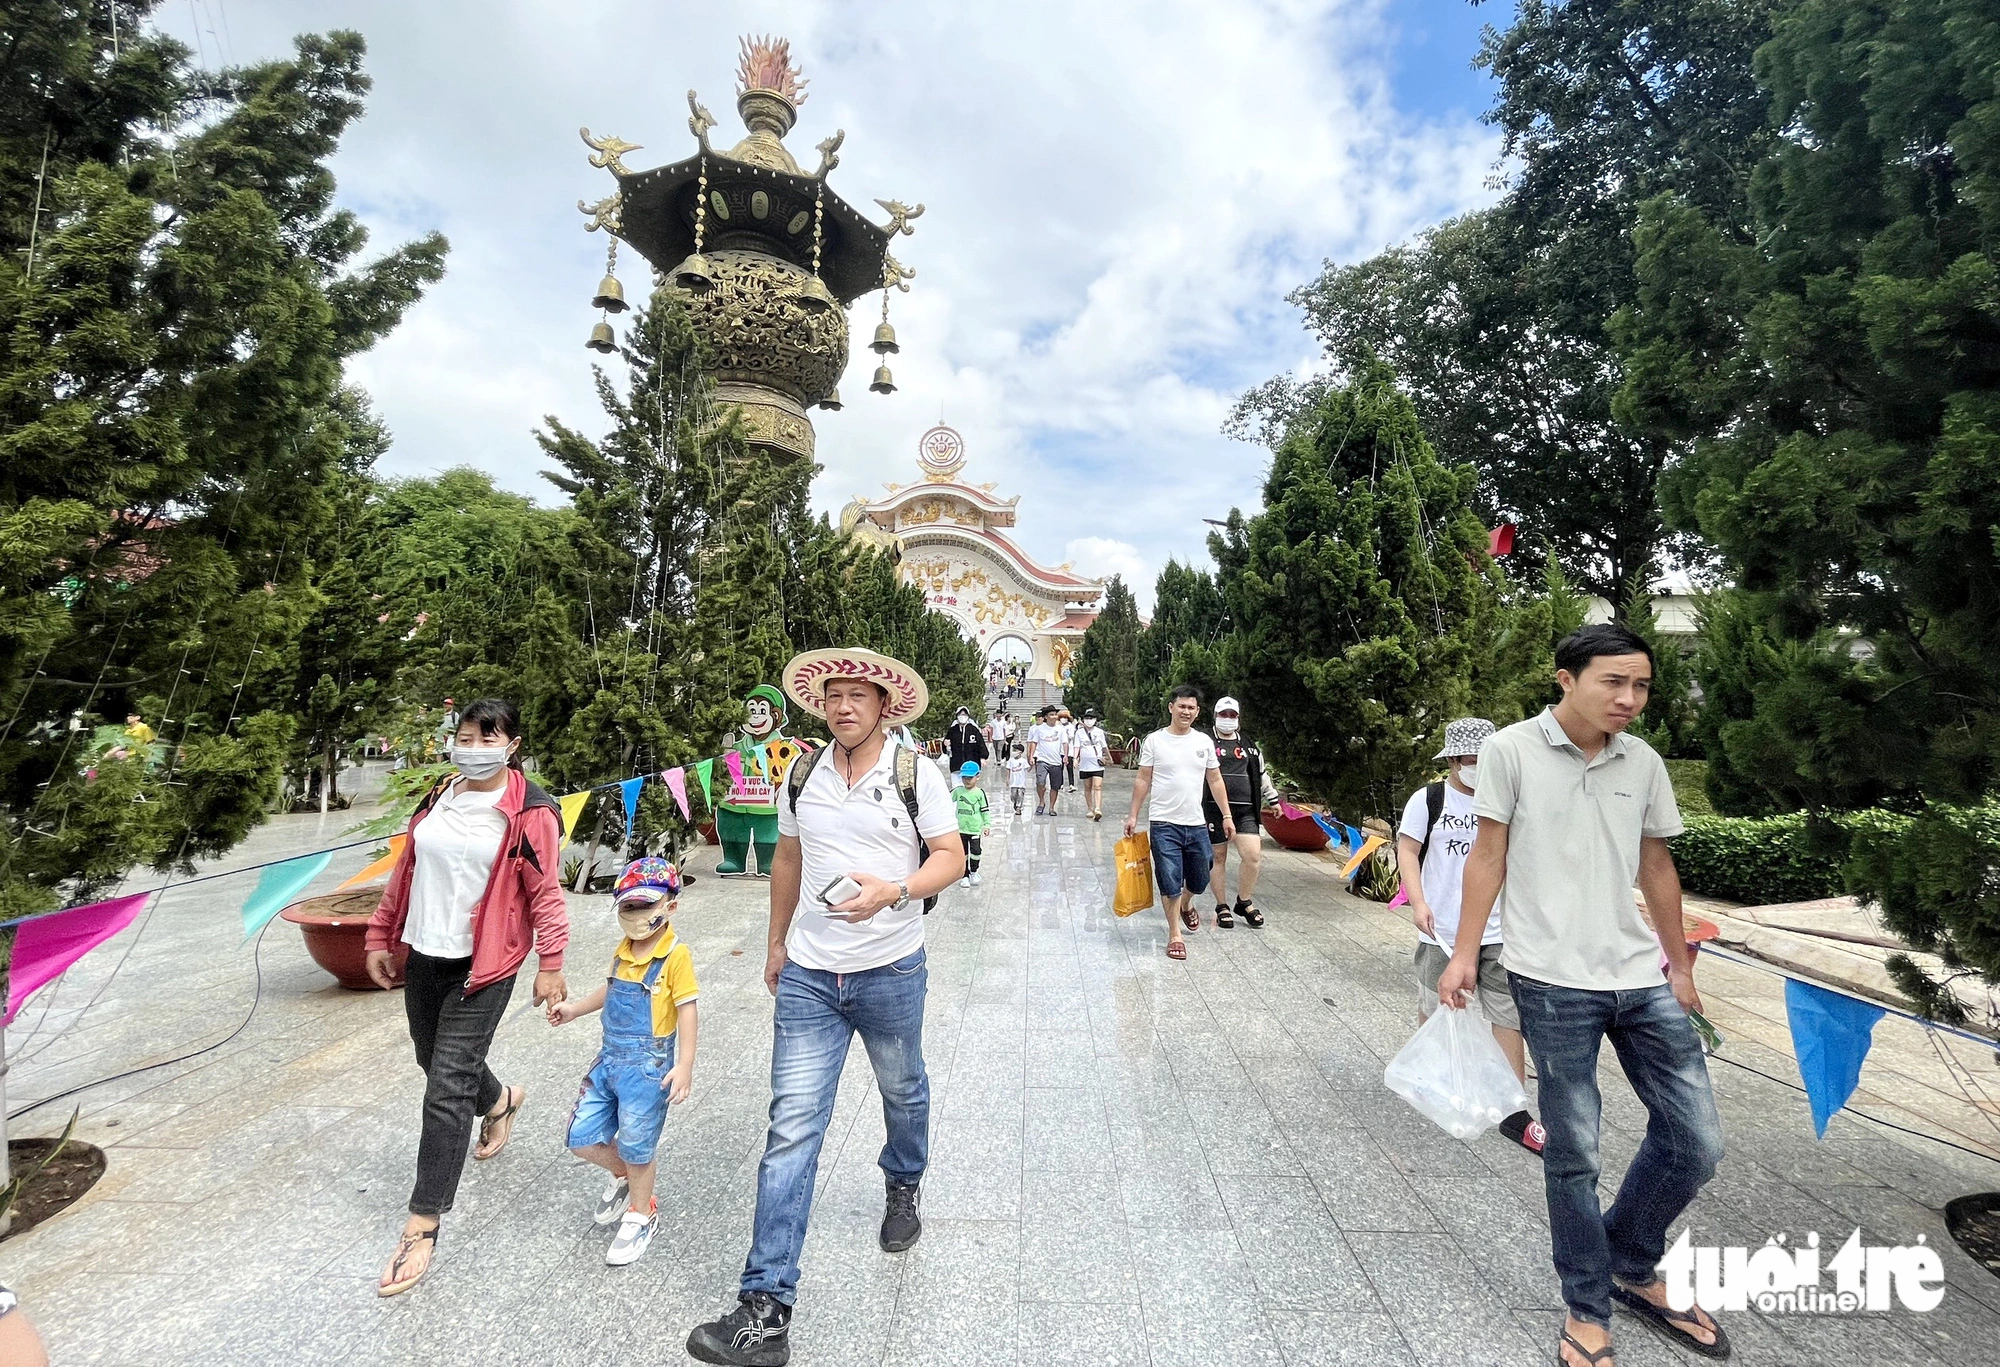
(1518, 864)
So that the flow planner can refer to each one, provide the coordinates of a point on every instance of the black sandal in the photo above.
(1223, 920)
(404, 1248)
(1607, 1352)
(515, 1096)
(1252, 917)
(1669, 1322)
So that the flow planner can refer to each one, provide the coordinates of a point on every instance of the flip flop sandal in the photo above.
(1670, 1322)
(515, 1096)
(1606, 1354)
(404, 1248)
(1190, 918)
(1223, 920)
(1177, 949)
(1252, 917)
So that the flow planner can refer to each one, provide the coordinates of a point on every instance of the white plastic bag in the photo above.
(1453, 1072)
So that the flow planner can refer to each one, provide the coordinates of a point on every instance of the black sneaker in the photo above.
(1524, 1130)
(757, 1333)
(900, 1225)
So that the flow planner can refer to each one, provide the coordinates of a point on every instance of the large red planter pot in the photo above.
(1294, 832)
(707, 829)
(338, 943)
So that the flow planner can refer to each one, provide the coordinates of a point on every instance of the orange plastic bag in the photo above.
(1135, 874)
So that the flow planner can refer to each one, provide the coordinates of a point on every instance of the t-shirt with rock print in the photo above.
(1444, 862)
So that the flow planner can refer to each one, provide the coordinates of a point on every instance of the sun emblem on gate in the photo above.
(941, 453)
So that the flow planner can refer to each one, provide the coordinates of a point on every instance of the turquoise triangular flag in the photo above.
(1354, 838)
(279, 885)
(1333, 829)
(629, 790)
(1831, 1032)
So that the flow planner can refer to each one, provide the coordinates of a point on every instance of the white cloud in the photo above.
(1100, 557)
(1120, 194)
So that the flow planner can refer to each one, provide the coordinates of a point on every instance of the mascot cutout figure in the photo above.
(748, 815)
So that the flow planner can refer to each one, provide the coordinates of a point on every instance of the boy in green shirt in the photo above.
(970, 799)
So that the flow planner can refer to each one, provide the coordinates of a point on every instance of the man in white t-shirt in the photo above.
(1046, 749)
(1175, 763)
(845, 956)
(1432, 843)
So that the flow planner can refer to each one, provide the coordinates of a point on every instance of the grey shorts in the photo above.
(1496, 999)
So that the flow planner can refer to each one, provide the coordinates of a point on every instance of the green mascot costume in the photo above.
(748, 815)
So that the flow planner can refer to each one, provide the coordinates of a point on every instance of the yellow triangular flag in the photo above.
(1368, 847)
(572, 808)
(379, 867)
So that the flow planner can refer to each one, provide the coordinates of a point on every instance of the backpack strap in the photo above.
(906, 785)
(801, 770)
(1434, 808)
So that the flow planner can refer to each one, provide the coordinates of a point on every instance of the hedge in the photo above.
(1762, 860)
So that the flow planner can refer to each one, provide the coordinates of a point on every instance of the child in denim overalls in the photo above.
(649, 1017)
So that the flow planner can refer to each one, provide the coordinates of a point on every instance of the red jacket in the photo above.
(523, 902)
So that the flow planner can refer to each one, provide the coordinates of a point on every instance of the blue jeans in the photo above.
(817, 1016)
(1181, 858)
(1662, 1059)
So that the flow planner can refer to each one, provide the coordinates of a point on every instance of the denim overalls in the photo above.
(621, 1095)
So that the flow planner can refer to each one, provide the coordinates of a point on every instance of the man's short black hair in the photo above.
(1576, 650)
(1184, 691)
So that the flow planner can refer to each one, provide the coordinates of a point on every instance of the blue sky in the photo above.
(1120, 195)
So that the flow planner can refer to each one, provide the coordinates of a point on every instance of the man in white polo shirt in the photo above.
(1572, 812)
(867, 834)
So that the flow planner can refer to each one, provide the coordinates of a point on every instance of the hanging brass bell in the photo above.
(832, 401)
(601, 338)
(814, 296)
(885, 340)
(884, 382)
(610, 295)
(694, 276)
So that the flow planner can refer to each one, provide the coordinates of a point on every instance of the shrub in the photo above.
(1757, 860)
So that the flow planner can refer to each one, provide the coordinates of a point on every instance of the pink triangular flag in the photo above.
(677, 784)
(45, 946)
(734, 760)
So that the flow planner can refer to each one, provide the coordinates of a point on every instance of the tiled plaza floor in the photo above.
(1134, 1161)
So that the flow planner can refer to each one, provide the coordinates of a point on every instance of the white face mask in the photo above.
(479, 761)
(1225, 726)
(1468, 774)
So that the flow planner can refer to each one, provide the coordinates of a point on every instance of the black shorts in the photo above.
(1242, 813)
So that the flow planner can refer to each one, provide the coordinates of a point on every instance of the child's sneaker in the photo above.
(635, 1231)
(974, 880)
(612, 1204)
(966, 881)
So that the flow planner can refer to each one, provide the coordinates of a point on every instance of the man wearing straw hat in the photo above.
(867, 836)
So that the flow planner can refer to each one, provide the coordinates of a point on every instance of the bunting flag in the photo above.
(1500, 541)
(704, 774)
(1367, 847)
(735, 763)
(629, 790)
(757, 753)
(45, 946)
(572, 808)
(278, 886)
(1401, 899)
(677, 784)
(1334, 830)
(1354, 839)
(380, 866)
(1831, 1033)
(1289, 812)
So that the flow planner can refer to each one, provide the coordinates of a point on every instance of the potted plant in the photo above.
(335, 927)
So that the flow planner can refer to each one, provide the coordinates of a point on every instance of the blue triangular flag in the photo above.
(629, 790)
(1332, 828)
(1831, 1033)
(279, 885)
(1354, 838)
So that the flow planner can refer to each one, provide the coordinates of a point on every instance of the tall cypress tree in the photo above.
(1107, 664)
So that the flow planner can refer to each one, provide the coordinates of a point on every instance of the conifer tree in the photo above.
(1107, 664)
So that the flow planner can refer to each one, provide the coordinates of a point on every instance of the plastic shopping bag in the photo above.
(1453, 1072)
(1135, 874)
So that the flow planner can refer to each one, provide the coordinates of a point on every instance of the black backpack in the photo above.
(906, 785)
(1434, 808)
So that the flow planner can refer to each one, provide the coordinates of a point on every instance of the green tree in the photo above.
(1188, 610)
(1362, 601)
(1106, 675)
(1835, 375)
(179, 293)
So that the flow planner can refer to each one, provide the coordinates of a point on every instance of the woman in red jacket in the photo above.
(479, 880)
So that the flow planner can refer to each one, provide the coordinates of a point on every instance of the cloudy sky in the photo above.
(1119, 195)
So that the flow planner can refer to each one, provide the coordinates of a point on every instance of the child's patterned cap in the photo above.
(651, 879)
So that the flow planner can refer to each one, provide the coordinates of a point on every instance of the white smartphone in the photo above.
(841, 889)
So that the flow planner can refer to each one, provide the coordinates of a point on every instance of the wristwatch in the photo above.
(902, 897)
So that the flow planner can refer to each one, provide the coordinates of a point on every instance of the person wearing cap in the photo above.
(970, 801)
(1242, 767)
(1432, 842)
(1067, 725)
(867, 835)
(1045, 748)
(647, 1058)
(963, 740)
(1091, 747)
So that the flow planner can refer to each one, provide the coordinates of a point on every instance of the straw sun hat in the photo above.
(806, 677)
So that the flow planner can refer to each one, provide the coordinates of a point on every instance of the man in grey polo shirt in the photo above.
(1572, 812)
